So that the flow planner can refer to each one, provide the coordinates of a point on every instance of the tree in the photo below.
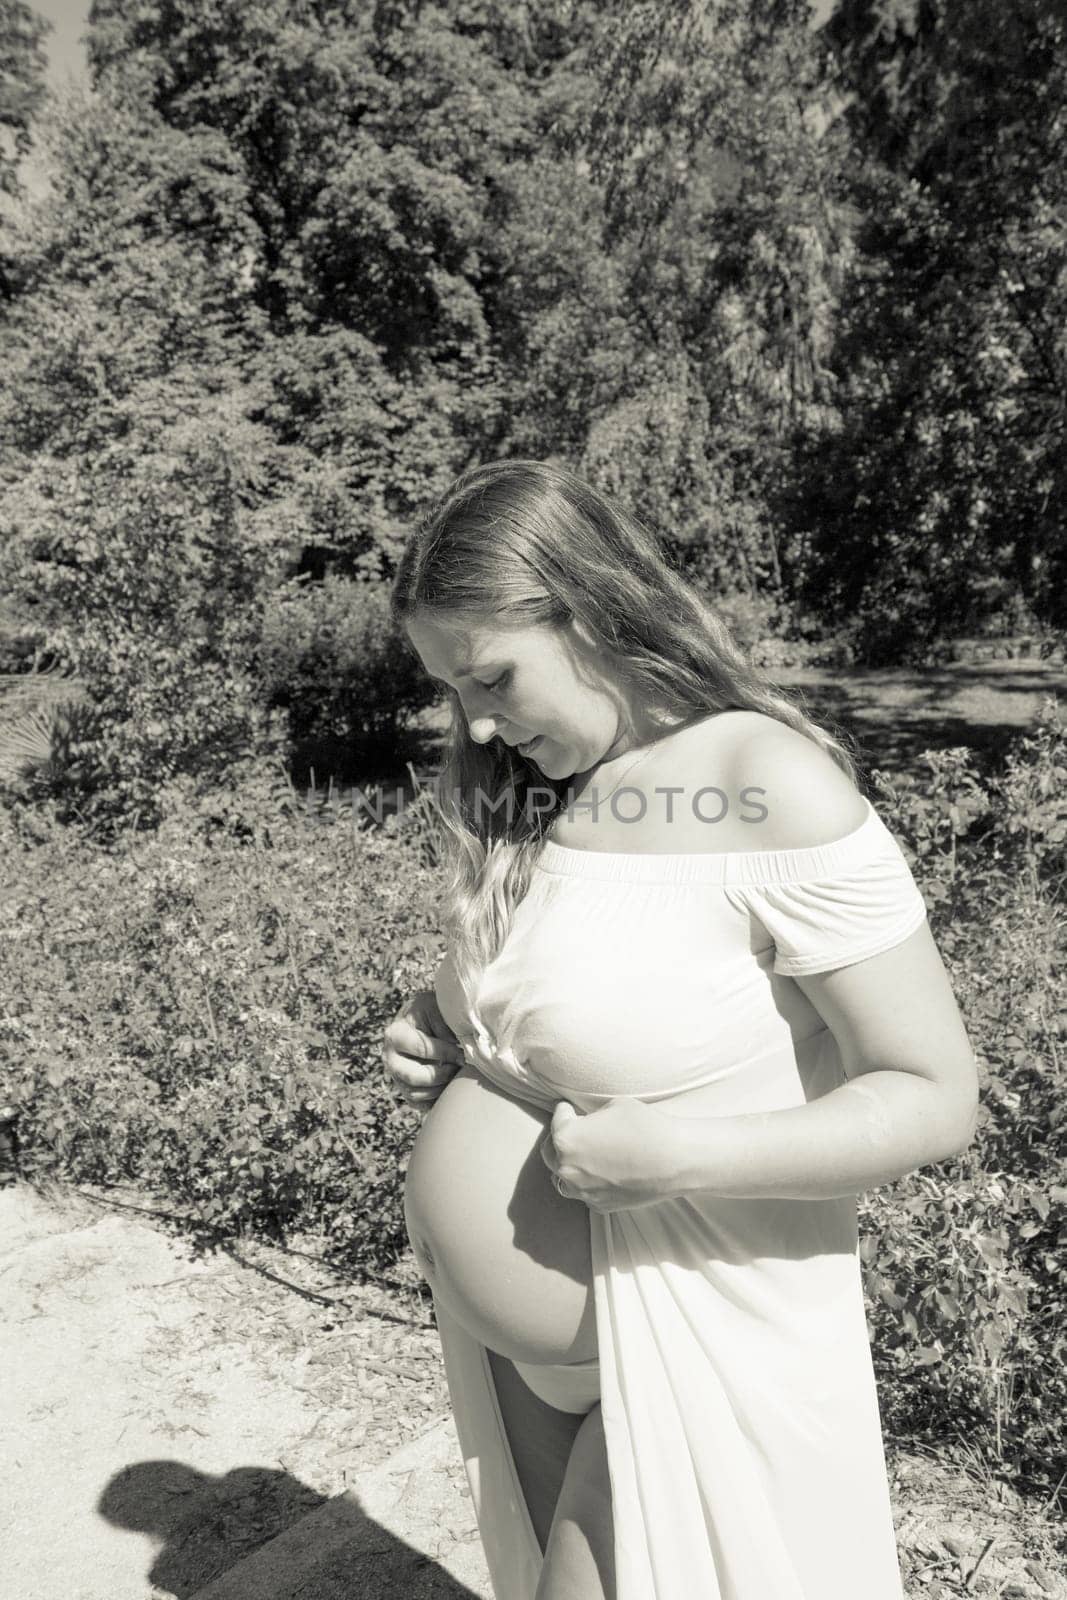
(382, 150)
(134, 542)
(726, 235)
(22, 84)
(948, 471)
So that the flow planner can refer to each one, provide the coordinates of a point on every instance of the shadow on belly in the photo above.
(508, 1255)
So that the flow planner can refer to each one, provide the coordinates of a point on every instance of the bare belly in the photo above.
(508, 1257)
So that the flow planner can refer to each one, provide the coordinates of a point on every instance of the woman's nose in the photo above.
(483, 725)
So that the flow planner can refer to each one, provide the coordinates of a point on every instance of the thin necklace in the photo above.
(647, 751)
(600, 800)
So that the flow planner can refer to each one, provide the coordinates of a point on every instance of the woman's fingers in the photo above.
(416, 1075)
(422, 1093)
(418, 1057)
(403, 1039)
(420, 1061)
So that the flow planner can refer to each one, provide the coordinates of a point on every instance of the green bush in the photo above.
(964, 1262)
(775, 637)
(200, 1010)
(329, 654)
(144, 579)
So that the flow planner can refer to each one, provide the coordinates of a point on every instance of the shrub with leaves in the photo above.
(964, 1262)
(201, 1011)
(330, 653)
(144, 578)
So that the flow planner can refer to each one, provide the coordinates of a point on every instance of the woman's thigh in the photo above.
(541, 1439)
(579, 1559)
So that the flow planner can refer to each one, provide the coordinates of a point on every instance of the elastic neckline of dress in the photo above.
(722, 866)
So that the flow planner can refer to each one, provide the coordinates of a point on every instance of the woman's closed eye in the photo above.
(498, 683)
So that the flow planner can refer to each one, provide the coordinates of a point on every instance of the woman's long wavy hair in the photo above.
(522, 543)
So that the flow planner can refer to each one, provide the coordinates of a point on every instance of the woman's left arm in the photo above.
(911, 1095)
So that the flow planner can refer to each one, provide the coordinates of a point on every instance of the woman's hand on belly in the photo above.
(617, 1158)
(420, 1051)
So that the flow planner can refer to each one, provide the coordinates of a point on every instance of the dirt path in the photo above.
(170, 1414)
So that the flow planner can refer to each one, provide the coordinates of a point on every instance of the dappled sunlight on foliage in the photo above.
(207, 1010)
(963, 1265)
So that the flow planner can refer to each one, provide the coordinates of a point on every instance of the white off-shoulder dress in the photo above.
(737, 1389)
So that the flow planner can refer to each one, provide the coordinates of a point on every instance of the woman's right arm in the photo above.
(421, 1053)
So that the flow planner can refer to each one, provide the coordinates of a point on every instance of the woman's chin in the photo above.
(540, 756)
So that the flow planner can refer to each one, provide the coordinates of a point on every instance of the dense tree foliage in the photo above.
(710, 138)
(943, 487)
(796, 295)
(22, 33)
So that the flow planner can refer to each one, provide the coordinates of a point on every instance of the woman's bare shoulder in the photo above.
(784, 791)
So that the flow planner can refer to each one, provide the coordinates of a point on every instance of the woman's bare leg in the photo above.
(541, 1439)
(580, 1552)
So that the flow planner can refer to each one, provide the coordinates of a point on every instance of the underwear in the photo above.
(569, 1387)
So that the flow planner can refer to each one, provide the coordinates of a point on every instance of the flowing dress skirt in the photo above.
(739, 1408)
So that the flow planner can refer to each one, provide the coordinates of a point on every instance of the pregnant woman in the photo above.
(690, 1009)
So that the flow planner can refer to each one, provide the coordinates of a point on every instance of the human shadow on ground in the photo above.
(208, 1525)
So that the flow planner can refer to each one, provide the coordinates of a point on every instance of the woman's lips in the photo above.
(530, 746)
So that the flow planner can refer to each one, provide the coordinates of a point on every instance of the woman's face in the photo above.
(538, 683)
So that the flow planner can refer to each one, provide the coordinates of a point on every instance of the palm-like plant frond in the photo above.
(33, 708)
(25, 744)
(29, 691)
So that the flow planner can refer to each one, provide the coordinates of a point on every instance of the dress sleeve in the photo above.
(827, 919)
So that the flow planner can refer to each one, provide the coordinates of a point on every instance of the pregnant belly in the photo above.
(506, 1254)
